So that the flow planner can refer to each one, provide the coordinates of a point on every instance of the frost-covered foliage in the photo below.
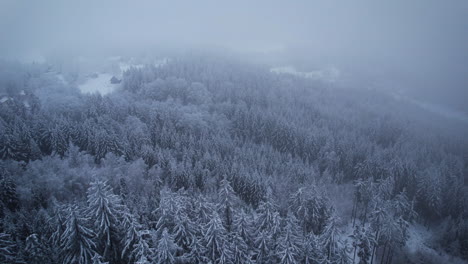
(211, 160)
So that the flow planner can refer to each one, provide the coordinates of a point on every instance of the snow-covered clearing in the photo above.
(418, 237)
(419, 250)
(101, 84)
(417, 245)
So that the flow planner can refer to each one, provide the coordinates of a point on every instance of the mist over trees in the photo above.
(211, 160)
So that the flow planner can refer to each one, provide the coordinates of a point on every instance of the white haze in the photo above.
(417, 46)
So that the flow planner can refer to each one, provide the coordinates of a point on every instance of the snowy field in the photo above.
(101, 84)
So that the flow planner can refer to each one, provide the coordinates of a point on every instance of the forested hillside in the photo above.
(213, 160)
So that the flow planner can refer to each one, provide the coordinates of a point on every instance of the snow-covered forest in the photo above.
(208, 159)
(232, 132)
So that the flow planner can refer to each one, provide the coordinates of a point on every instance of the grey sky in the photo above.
(422, 37)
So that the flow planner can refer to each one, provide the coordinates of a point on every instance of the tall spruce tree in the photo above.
(166, 249)
(214, 238)
(77, 245)
(105, 212)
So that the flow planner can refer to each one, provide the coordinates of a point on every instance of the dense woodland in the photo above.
(213, 160)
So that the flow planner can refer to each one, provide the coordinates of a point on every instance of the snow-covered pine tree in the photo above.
(8, 194)
(243, 227)
(203, 210)
(225, 256)
(36, 251)
(77, 245)
(185, 231)
(105, 211)
(168, 208)
(364, 252)
(141, 250)
(197, 252)
(378, 216)
(311, 250)
(56, 225)
(227, 200)
(310, 208)
(329, 239)
(356, 237)
(343, 255)
(13, 142)
(240, 250)
(134, 245)
(394, 234)
(143, 260)
(363, 240)
(167, 248)
(8, 253)
(214, 238)
(298, 205)
(98, 260)
(264, 248)
(289, 245)
(268, 218)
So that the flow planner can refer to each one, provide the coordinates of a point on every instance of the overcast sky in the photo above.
(427, 38)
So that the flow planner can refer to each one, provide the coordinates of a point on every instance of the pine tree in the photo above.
(169, 207)
(36, 250)
(298, 204)
(8, 194)
(268, 218)
(143, 260)
(378, 217)
(203, 210)
(197, 252)
(289, 246)
(356, 237)
(343, 255)
(77, 240)
(311, 250)
(311, 209)
(227, 199)
(243, 227)
(134, 245)
(214, 238)
(329, 238)
(98, 260)
(166, 249)
(105, 211)
(57, 224)
(264, 248)
(14, 141)
(362, 242)
(184, 231)
(225, 255)
(240, 250)
(8, 250)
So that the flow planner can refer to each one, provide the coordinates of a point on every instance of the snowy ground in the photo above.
(101, 84)
(416, 250)
(418, 237)
(419, 250)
